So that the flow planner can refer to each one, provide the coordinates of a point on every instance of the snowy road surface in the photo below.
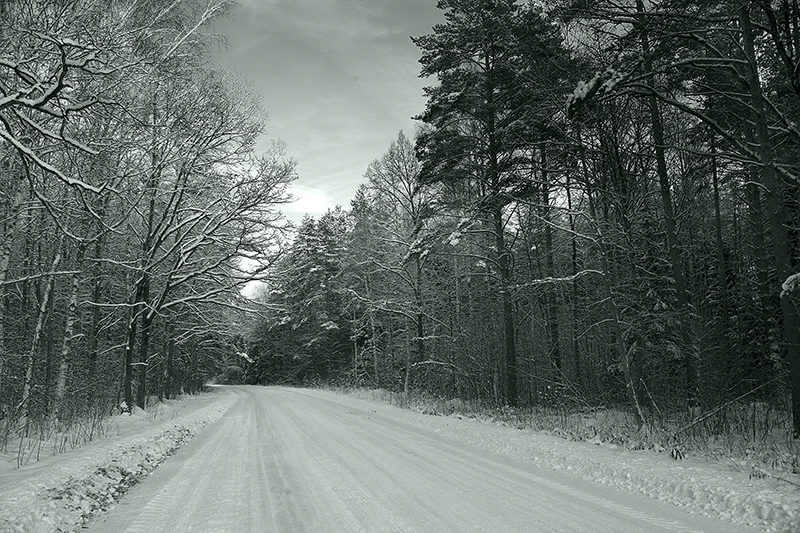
(286, 460)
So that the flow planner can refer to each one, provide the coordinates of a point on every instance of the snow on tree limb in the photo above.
(791, 285)
(29, 154)
(565, 279)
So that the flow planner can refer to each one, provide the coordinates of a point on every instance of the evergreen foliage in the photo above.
(603, 212)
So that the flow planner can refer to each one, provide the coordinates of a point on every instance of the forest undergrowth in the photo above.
(752, 437)
(27, 441)
(64, 493)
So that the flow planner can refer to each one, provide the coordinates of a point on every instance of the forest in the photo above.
(134, 208)
(600, 207)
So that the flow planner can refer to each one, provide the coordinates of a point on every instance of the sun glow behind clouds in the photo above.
(338, 80)
(310, 200)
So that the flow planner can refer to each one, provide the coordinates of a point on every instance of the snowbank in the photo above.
(708, 488)
(60, 494)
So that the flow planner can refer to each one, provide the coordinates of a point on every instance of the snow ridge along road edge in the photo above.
(93, 478)
(696, 485)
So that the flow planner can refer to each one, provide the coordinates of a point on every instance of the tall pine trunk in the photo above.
(504, 266)
(551, 305)
(676, 263)
(776, 214)
(576, 356)
(722, 271)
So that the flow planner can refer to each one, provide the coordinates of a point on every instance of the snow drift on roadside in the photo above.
(707, 488)
(62, 496)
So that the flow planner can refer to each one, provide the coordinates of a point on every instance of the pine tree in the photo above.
(492, 59)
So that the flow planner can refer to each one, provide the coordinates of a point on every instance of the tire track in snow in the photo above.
(317, 476)
(478, 472)
(348, 487)
(277, 489)
(478, 463)
(163, 509)
(292, 461)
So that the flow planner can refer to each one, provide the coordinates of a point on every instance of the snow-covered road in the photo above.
(287, 460)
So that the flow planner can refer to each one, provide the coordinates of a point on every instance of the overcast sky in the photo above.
(339, 80)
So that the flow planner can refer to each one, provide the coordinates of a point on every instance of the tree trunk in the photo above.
(755, 219)
(420, 318)
(94, 339)
(355, 349)
(504, 266)
(143, 283)
(133, 316)
(407, 381)
(373, 329)
(170, 384)
(776, 214)
(623, 355)
(69, 332)
(47, 344)
(97, 292)
(550, 290)
(144, 346)
(681, 294)
(576, 356)
(722, 271)
(37, 334)
(374, 336)
(9, 232)
(195, 377)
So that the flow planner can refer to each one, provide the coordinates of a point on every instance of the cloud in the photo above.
(338, 79)
(310, 200)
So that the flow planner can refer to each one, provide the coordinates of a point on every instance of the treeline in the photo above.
(133, 205)
(601, 207)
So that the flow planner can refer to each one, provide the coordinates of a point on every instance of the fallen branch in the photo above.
(706, 416)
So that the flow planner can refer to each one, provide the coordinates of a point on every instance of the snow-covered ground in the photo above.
(62, 492)
(711, 488)
(308, 460)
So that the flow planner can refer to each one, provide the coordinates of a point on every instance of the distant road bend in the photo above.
(287, 460)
